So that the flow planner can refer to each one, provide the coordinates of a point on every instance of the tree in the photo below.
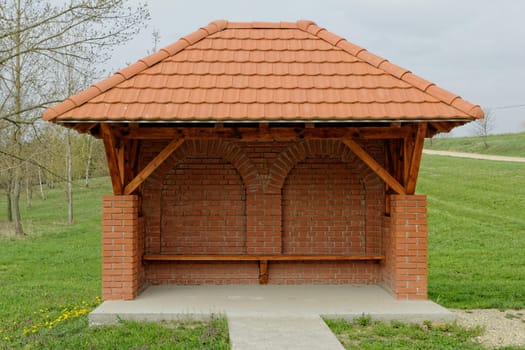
(37, 40)
(483, 127)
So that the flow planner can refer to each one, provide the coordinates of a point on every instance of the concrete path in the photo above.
(474, 156)
(270, 316)
(272, 333)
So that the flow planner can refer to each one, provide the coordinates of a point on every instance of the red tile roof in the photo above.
(263, 72)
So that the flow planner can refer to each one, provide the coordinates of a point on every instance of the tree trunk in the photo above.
(89, 160)
(19, 231)
(40, 183)
(69, 178)
(29, 189)
(18, 108)
(8, 200)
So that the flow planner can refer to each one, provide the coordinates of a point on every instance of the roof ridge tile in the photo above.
(155, 58)
(393, 69)
(442, 94)
(132, 70)
(417, 81)
(303, 24)
(371, 58)
(329, 36)
(91, 92)
(106, 84)
(313, 29)
(349, 47)
(196, 36)
(176, 47)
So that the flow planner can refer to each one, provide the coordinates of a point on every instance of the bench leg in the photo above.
(263, 271)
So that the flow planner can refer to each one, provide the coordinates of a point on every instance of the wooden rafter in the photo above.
(122, 162)
(415, 159)
(110, 146)
(154, 164)
(132, 159)
(375, 166)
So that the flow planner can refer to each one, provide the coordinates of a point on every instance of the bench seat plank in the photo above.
(250, 257)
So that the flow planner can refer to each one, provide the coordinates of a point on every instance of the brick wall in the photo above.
(122, 273)
(323, 211)
(263, 198)
(405, 242)
(203, 208)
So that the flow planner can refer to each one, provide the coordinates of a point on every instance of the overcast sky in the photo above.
(473, 48)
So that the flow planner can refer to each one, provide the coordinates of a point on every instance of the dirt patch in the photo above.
(502, 328)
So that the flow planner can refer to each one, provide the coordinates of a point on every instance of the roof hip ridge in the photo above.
(130, 71)
(399, 72)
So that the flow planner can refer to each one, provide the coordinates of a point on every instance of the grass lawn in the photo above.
(365, 334)
(51, 279)
(502, 145)
(476, 231)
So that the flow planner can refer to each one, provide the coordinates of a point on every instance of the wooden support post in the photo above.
(375, 166)
(263, 271)
(154, 164)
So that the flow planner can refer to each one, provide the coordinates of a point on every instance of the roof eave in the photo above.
(422, 120)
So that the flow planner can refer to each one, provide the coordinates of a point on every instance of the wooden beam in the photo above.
(154, 164)
(122, 161)
(375, 166)
(84, 127)
(132, 157)
(110, 146)
(256, 257)
(408, 146)
(415, 159)
(265, 134)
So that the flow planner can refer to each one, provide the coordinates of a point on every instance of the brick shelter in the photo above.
(277, 153)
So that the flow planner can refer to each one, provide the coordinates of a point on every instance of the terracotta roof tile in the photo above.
(260, 71)
(110, 82)
(133, 69)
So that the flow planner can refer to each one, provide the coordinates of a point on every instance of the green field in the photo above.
(50, 279)
(476, 231)
(502, 145)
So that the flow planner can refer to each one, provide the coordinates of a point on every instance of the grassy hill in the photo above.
(502, 145)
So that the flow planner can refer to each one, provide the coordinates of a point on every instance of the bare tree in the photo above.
(483, 127)
(88, 161)
(39, 39)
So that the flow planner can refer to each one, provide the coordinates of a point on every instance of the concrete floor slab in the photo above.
(169, 302)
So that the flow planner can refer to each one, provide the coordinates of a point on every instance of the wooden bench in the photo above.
(262, 259)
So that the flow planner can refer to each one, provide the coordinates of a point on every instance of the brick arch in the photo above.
(151, 193)
(296, 153)
(368, 185)
(224, 149)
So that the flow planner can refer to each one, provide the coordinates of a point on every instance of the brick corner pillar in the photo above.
(405, 240)
(121, 249)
